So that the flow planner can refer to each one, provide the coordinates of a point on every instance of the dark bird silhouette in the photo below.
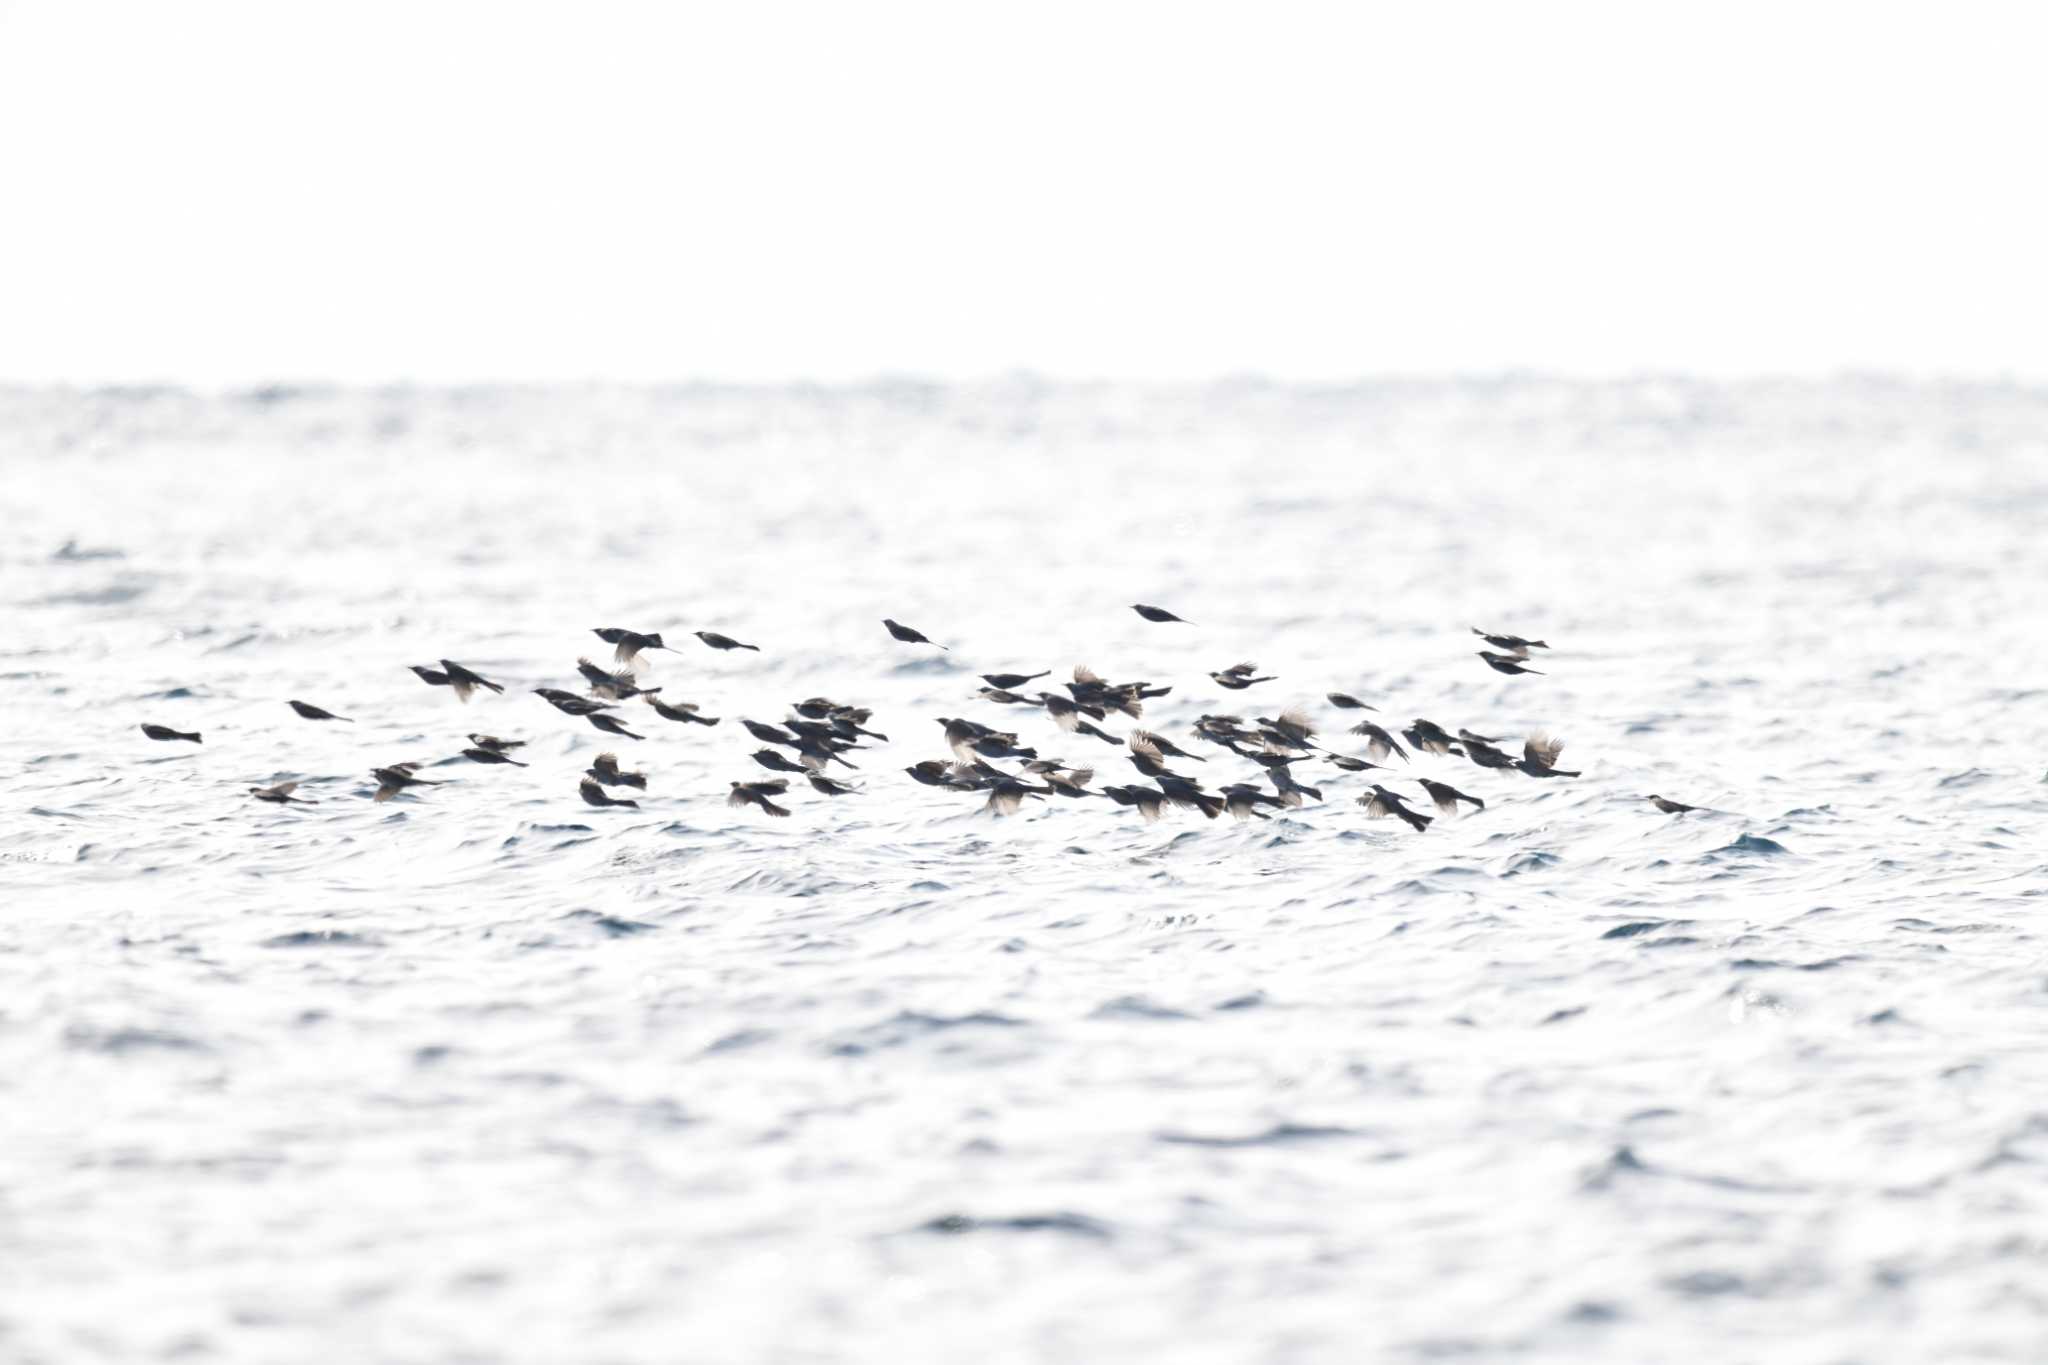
(1243, 800)
(1289, 730)
(1147, 801)
(1238, 677)
(1379, 743)
(1668, 806)
(934, 772)
(611, 725)
(757, 794)
(717, 641)
(680, 710)
(1291, 791)
(465, 682)
(967, 739)
(1505, 663)
(595, 795)
(1006, 681)
(1187, 793)
(628, 644)
(1486, 756)
(396, 778)
(772, 734)
(569, 704)
(1084, 728)
(1513, 645)
(483, 755)
(281, 795)
(312, 712)
(1161, 746)
(1004, 698)
(161, 732)
(1348, 702)
(1383, 802)
(1006, 794)
(1353, 765)
(496, 745)
(831, 786)
(1431, 738)
(1539, 756)
(432, 677)
(613, 686)
(1159, 615)
(1472, 737)
(776, 763)
(1071, 783)
(605, 768)
(909, 636)
(1447, 797)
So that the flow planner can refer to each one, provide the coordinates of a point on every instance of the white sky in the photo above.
(226, 193)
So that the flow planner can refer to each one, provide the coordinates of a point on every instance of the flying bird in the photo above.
(496, 745)
(677, 710)
(1159, 615)
(907, 635)
(717, 641)
(1379, 743)
(594, 795)
(757, 794)
(1505, 663)
(1006, 681)
(1539, 756)
(280, 795)
(1238, 677)
(396, 778)
(628, 644)
(831, 786)
(1347, 702)
(162, 732)
(611, 725)
(465, 682)
(1447, 797)
(605, 768)
(1383, 802)
(312, 712)
(1510, 644)
(1668, 806)
(482, 754)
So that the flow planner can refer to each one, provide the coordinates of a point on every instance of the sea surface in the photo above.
(484, 1074)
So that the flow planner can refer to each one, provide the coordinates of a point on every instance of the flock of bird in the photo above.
(820, 733)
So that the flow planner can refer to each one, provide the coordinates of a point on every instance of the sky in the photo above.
(231, 193)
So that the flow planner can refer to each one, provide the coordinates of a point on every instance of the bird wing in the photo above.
(1542, 750)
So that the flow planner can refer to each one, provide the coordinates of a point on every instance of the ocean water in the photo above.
(488, 1075)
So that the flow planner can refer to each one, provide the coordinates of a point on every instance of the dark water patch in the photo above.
(122, 1041)
(1279, 1135)
(433, 1054)
(1622, 1163)
(170, 694)
(112, 595)
(1561, 1015)
(1533, 861)
(1748, 846)
(610, 925)
(1641, 926)
(322, 938)
(1765, 964)
(909, 1026)
(1072, 1224)
(1136, 1007)
(71, 552)
(1243, 1002)
(739, 1041)
(246, 638)
(1706, 1284)
(1970, 777)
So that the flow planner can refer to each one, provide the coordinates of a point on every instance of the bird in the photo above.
(1347, 702)
(432, 677)
(1668, 806)
(1486, 756)
(1084, 728)
(281, 794)
(1006, 794)
(1383, 802)
(677, 710)
(1510, 644)
(757, 794)
(776, 763)
(396, 778)
(1291, 792)
(312, 712)
(1161, 746)
(480, 754)
(1447, 797)
(1004, 698)
(1431, 738)
(771, 734)
(569, 704)
(1353, 765)
(1505, 663)
(831, 786)
(609, 685)
(1289, 730)
(1071, 783)
(611, 725)
(496, 745)
(933, 772)
(1159, 615)
(1539, 756)
(1148, 801)
(161, 732)
(1006, 681)
(1473, 737)
(1238, 677)
(605, 768)
(909, 636)
(594, 795)
(1379, 743)
(465, 682)
(717, 641)
(628, 644)
(1243, 800)
(1187, 793)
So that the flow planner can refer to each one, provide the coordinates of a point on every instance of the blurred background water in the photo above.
(489, 1075)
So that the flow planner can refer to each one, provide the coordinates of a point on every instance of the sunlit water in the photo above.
(489, 1075)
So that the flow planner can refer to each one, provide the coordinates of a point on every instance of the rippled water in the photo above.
(489, 1075)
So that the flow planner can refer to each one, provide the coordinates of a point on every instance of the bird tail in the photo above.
(1416, 821)
(772, 808)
